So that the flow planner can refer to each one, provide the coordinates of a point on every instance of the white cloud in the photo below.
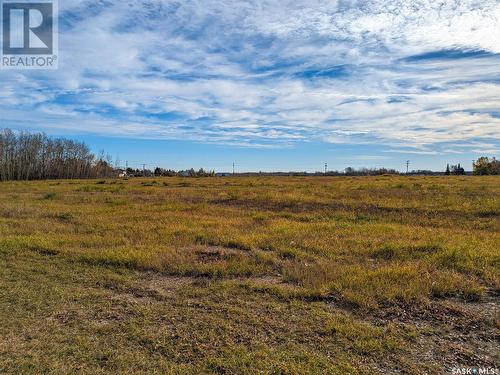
(282, 71)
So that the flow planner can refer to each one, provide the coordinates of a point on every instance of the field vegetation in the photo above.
(297, 275)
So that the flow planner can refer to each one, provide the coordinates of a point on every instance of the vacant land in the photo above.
(250, 275)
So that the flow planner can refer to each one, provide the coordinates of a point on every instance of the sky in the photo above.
(270, 85)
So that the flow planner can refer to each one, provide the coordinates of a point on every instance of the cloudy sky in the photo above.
(270, 85)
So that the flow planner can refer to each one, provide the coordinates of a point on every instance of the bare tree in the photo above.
(26, 156)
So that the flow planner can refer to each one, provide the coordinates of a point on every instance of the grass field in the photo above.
(250, 275)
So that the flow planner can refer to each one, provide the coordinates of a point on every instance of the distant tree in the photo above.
(448, 172)
(457, 170)
(158, 172)
(485, 166)
(363, 172)
(102, 169)
(423, 172)
(349, 171)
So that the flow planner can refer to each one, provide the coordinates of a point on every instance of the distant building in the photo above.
(122, 173)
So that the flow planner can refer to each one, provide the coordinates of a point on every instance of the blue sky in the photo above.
(270, 85)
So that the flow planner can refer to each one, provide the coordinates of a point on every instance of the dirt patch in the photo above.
(164, 283)
(212, 254)
(153, 286)
(263, 281)
(450, 332)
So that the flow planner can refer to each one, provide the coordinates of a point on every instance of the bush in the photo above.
(485, 166)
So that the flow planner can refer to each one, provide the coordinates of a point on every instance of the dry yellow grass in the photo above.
(363, 269)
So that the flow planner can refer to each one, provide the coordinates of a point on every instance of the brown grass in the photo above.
(283, 275)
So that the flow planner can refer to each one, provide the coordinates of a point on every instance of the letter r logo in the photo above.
(27, 28)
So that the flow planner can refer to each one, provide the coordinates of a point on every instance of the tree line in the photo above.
(486, 166)
(456, 170)
(35, 156)
(162, 172)
(482, 167)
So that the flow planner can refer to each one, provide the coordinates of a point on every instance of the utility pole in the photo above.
(326, 168)
(407, 166)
